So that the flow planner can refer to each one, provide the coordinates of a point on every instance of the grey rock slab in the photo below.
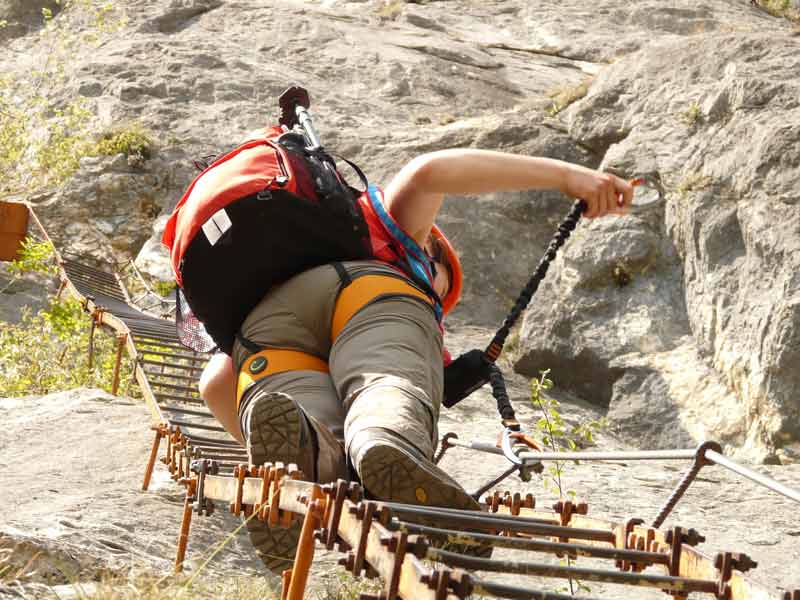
(727, 238)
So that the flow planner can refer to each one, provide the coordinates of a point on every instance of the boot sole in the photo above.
(276, 431)
(275, 546)
(390, 474)
(276, 435)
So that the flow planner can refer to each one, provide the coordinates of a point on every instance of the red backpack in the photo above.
(255, 217)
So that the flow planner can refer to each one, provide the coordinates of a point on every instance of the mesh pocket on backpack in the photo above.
(191, 331)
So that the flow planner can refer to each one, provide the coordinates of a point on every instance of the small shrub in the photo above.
(563, 97)
(131, 141)
(48, 351)
(42, 137)
(391, 10)
(164, 288)
(693, 115)
(557, 434)
(780, 8)
(343, 586)
(621, 275)
(34, 257)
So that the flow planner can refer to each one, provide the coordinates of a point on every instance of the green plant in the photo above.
(621, 275)
(42, 136)
(559, 437)
(33, 257)
(562, 97)
(48, 351)
(391, 9)
(343, 586)
(132, 141)
(692, 115)
(164, 288)
(780, 8)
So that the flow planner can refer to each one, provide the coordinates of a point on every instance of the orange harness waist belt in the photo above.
(271, 361)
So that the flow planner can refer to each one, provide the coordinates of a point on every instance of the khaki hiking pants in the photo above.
(385, 364)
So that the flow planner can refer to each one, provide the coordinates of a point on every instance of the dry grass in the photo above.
(391, 9)
(563, 97)
(336, 585)
(150, 588)
(693, 182)
(780, 8)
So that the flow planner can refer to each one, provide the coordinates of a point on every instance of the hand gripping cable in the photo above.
(475, 368)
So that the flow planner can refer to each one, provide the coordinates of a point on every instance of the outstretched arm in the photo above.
(416, 193)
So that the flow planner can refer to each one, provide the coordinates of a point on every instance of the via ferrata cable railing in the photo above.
(420, 552)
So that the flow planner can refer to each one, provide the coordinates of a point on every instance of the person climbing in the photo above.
(341, 366)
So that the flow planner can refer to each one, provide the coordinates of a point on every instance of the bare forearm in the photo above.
(415, 195)
(466, 172)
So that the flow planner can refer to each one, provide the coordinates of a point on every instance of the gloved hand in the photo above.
(464, 375)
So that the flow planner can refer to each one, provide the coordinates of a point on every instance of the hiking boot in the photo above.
(275, 546)
(392, 470)
(277, 430)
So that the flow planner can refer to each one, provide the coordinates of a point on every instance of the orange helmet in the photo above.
(456, 274)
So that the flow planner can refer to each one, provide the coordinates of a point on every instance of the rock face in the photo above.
(702, 338)
(703, 341)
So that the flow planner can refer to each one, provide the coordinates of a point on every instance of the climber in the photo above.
(341, 366)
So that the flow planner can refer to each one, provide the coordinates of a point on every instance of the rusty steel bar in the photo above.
(488, 522)
(699, 462)
(758, 478)
(482, 587)
(664, 582)
(493, 482)
(167, 375)
(196, 425)
(191, 392)
(224, 450)
(151, 461)
(230, 442)
(186, 522)
(305, 545)
(443, 511)
(90, 359)
(676, 495)
(169, 365)
(181, 356)
(188, 411)
(173, 398)
(122, 339)
(159, 340)
(514, 543)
